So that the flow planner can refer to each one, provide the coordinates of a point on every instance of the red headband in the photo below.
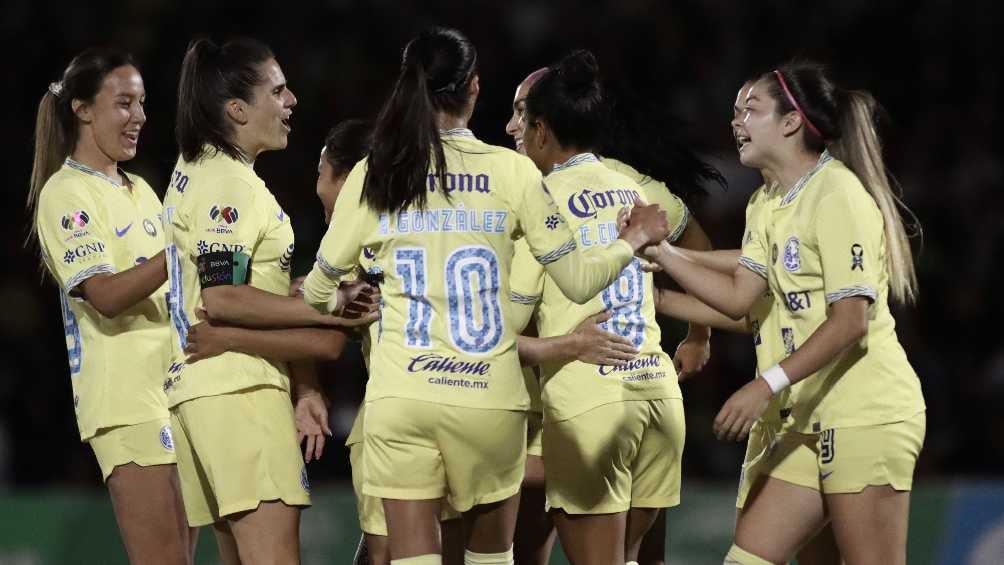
(791, 98)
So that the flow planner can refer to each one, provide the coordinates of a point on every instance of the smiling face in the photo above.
(269, 111)
(115, 116)
(517, 122)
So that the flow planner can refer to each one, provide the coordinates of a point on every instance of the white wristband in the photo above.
(776, 379)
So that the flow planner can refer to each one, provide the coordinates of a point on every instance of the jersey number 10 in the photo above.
(472, 283)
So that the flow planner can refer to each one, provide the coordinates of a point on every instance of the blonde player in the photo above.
(640, 133)
(440, 211)
(100, 234)
(761, 323)
(832, 250)
(229, 246)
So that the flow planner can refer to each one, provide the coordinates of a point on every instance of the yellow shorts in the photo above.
(238, 450)
(534, 433)
(417, 450)
(145, 444)
(616, 456)
(370, 508)
(837, 460)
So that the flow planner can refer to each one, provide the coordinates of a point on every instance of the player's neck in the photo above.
(446, 121)
(90, 155)
(793, 167)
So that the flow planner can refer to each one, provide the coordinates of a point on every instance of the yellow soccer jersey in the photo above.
(220, 204)
(88, 223)
(589, 196)
(826, 243)
(656, 192)
(763, 319)
(446, 315)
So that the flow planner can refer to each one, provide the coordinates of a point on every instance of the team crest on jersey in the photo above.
(792, 260)
(857, 257)
(75, 220)
(166, 439)
(788, 337)
(149, 227)
(224, 216)
(287, 259)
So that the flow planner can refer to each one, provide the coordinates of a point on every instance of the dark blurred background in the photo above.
(934, 64)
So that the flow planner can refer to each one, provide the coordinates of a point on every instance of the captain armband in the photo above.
(224, 268)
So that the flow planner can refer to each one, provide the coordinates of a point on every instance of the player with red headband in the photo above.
(829, 251)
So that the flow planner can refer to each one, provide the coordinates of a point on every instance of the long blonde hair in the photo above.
(844, 122)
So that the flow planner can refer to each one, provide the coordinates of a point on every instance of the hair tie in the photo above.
(808, 122)
(56, 88)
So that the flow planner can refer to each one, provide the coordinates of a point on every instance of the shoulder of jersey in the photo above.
(64, 181)
(837, 177)
(138, 181)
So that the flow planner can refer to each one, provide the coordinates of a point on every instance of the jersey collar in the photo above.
(576, 160)
(457, 132)
(824, 158)
(94, 172)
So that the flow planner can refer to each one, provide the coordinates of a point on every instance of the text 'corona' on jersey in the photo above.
(462, 182)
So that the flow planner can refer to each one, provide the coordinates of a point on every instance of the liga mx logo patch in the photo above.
(223, 214)
(792, 261)
(166, 439)
(75, 220)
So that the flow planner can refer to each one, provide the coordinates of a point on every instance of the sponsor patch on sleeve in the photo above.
(224, 268)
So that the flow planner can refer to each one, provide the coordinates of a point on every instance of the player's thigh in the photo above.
(778, 519)
(484, 454)
(268, 534)
(590, 458)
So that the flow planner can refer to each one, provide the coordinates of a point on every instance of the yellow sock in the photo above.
(739, 556)
(504, 558)
(427, 559)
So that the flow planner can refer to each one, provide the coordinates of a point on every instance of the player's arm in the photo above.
(245, 305)
(694, 351)
(732, 295)
(113, 293)
(720, 260)
(208, 339)
(685, 307)
(587, 343)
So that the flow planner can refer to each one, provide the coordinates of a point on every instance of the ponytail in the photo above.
(860, 148)
(406, 144)
(437, 67)
(211, 75)
(51, 149)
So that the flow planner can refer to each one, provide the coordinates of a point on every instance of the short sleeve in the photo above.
(73, 235)
(677, 213)
(546, 232)
(849, 236)
(232, 222)
(754, 251)
(338, 255)
(526, 283)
